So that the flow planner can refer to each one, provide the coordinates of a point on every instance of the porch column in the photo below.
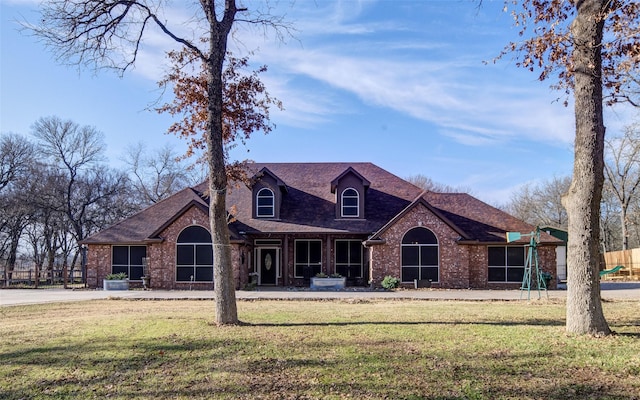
(328, 262)
(284, 263)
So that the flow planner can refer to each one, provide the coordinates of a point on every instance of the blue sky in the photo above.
(402, 84)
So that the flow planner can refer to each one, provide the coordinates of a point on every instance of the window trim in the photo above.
(308, 263)
(506, 265)
(272, 196)
(419, 246)
(343, 206)
(348, 264)
(128, 265)
(194, 248)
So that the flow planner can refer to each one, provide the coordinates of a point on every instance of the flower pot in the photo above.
(115, 284)
(328, 283)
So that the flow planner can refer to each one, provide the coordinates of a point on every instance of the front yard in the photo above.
(308, 349)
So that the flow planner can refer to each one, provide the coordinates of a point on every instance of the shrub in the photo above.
(546, 276)
(120, 276)
(389, 282)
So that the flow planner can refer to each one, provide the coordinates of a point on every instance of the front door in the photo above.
(268, 265)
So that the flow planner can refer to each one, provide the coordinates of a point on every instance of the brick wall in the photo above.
(161, 257)
(461, 266)
(98, 264)
(454, 259)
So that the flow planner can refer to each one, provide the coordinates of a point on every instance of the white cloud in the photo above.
(411, 77)
(438, 92)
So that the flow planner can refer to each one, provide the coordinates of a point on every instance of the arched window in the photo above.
(194, 255)
(420, 257)
(265, 203)
(350, 203)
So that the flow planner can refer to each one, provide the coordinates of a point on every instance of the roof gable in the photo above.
(420, 201)
(350, 170)
(266, 172)
(145, 225)
(310, 206)
(480, 221)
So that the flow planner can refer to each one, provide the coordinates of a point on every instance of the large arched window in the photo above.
(350, 203)
(420, 257)
(194, 255)
(265, 203)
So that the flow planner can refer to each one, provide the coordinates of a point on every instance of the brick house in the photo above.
(298, 219)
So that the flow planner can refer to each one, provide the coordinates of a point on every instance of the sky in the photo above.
(410, 86)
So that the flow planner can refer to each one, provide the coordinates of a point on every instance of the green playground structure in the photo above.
(612, 270)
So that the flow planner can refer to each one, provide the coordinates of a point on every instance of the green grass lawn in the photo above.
(309, 349)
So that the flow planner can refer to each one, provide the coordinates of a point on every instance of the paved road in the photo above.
(10, 297)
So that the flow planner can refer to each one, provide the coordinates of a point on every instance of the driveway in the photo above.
(10, 297)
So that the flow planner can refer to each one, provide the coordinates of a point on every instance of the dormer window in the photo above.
(350, 203)
(350, 189)
(265, 203)
(268, 192)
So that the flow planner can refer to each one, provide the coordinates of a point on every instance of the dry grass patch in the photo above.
(307, 350)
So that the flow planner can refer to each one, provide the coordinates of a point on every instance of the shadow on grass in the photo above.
(530, 322)
(173, 366)
(635, 335)
(118, 367)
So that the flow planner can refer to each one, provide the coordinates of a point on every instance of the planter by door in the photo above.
(328, 283)
(115, 284)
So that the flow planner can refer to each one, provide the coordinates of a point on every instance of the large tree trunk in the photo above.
(226, 310)
(584, 308)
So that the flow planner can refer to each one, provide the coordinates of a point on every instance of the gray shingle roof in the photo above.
(309, 207)
(146, 224)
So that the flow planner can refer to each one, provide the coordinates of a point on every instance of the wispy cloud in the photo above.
(394, 74)
(438, 92)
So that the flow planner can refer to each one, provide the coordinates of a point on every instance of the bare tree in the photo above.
(622, 168)
(16, 153)
(158, 174)
(610, 239)
(426, 183)
(16, 163)
(94, 33)
(15, 217)
(73, 150)
(75, 153)
(100, 193)
(541, 203)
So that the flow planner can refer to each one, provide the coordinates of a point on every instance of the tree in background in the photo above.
(246, 105)
(565, 39)
(426, 183)
(16, 154)
(15, 217)
(16, 161)
(541, 203)
(109, 34)
(610, 239)
(75, 154)
(157, 174)
(622, 168)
